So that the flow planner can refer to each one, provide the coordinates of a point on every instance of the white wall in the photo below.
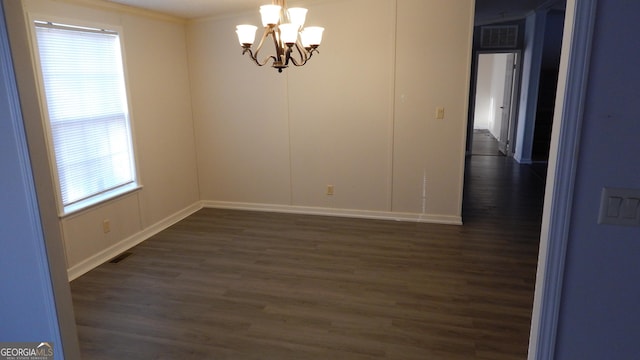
(490, 92)
(482, 106)
(497, 92)
(432, 70)
(160, 101)
(359, 116)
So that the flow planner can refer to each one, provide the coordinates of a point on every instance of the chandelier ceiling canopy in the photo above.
(294, 43)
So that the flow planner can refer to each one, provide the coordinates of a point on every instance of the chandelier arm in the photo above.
(287, 54)
(254, 57)
(304, 55)
(280, 51)
(264, 36)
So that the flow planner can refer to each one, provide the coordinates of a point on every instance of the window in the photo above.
(88, 117)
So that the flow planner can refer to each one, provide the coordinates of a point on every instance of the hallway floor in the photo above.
(499, 189)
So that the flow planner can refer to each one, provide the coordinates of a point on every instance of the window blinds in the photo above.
(86, 99)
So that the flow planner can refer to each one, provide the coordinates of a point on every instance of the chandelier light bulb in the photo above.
(298, 16)
(270, 15)
(246, 34)
(288, 33)
(311, 36)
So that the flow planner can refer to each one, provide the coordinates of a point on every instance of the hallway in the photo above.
(499, 190)
(502, 208)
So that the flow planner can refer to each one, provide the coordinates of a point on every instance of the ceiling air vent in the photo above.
(499, 36)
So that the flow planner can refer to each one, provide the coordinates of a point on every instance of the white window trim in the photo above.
(87, 204)
(99, 199)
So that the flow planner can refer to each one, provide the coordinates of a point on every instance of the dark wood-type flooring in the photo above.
(228, 284)
(484, 143)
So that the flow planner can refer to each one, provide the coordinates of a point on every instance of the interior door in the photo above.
(507, 108)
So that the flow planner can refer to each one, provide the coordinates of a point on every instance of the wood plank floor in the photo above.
(228, 284)
(484, 143)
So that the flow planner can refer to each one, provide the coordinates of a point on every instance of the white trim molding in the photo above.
(105, 255)
(109, 253)
(556, 219)
(364, 214)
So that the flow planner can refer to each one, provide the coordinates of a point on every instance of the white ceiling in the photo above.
(487, 11)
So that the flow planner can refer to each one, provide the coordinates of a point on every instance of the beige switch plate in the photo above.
(106, 226)
(329, 189)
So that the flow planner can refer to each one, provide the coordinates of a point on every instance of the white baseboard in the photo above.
(105, 255)
(365, 214)
(523, 161)
(126, 244)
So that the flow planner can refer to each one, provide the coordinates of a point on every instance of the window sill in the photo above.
(99, 200)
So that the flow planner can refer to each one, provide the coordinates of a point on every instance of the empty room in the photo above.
(182, 188)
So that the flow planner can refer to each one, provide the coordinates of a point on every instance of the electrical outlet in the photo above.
(329, 189)
(106, 226)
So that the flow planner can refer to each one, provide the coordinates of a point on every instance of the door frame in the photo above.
(49, 259)
(514, 101)
(515, 98)
(563, 161)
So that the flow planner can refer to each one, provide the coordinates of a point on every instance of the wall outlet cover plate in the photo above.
(620, 207)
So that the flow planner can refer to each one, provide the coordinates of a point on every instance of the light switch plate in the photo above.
(620, 207)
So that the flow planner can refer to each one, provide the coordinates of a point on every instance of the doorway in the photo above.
(495, 103)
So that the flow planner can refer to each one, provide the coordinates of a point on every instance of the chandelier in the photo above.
(293, 43)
